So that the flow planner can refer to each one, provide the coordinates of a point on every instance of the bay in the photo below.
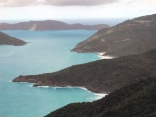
(46, 52)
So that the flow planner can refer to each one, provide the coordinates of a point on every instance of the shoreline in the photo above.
(99, 95)
(101, 55)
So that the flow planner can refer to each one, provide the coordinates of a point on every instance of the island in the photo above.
(8, 40)
(49, 25)
(134, 36)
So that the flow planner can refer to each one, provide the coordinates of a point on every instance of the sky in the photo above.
(74, 9)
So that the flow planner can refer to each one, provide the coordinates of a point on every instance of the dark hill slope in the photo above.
(134, 36)
(135, 100)
(100, 76)
(49, 25)
(8, 40)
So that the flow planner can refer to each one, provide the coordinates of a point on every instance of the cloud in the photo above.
(141, 2)
(127, 1)
(78, 2)
(19, 3)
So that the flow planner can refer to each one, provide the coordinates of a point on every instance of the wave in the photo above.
(67, 87)
(30, 85)
(44, 86)
(71, 87)
(20, 82)
(100, 95)
(101, 56)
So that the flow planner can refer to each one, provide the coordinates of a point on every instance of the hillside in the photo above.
(134, 36)
(8, 40)
(136, 100)
(49, 25)
(100, 76)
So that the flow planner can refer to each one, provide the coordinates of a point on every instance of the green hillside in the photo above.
(136, 100)
(134, 36)
(100, 76)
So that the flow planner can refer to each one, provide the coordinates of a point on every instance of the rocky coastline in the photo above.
(37, 83)
(102, 76)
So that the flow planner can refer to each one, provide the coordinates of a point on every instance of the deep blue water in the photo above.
(47, 51)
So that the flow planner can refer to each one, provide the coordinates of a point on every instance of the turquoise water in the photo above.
(47, 51)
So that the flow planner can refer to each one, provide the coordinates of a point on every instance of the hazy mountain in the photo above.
(130, 37)
(8, 40)
(49, 25)
(100, 76)
(136, 100)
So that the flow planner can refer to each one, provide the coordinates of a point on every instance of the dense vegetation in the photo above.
(135, 100)
(100, 76)
(134, 36)
(8, 40)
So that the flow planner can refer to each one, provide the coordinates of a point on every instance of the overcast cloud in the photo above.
(19, 3)
(56, 9)
(78, 2)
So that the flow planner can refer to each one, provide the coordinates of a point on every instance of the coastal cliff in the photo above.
(134, 36)
(135, 100)
(101, 76)
(49, 25)
(8, 40)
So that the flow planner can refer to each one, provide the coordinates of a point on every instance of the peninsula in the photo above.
(8, 40)
(134, 36)
(102, 76)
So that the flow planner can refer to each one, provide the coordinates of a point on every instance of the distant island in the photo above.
(49, 25)
(134, 36)
(8, 40)
(102, 76)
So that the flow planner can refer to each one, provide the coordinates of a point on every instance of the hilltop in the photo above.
(49, 25)
(102, 76)
(134, 36)
(8, 40)
(135, 100)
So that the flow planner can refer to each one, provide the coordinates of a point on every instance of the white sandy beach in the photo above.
(101, 56)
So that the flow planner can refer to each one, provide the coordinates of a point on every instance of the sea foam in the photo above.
(100, 95)
(101, 56)
(44, 86)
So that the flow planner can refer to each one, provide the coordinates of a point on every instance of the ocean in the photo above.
(46, 52)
